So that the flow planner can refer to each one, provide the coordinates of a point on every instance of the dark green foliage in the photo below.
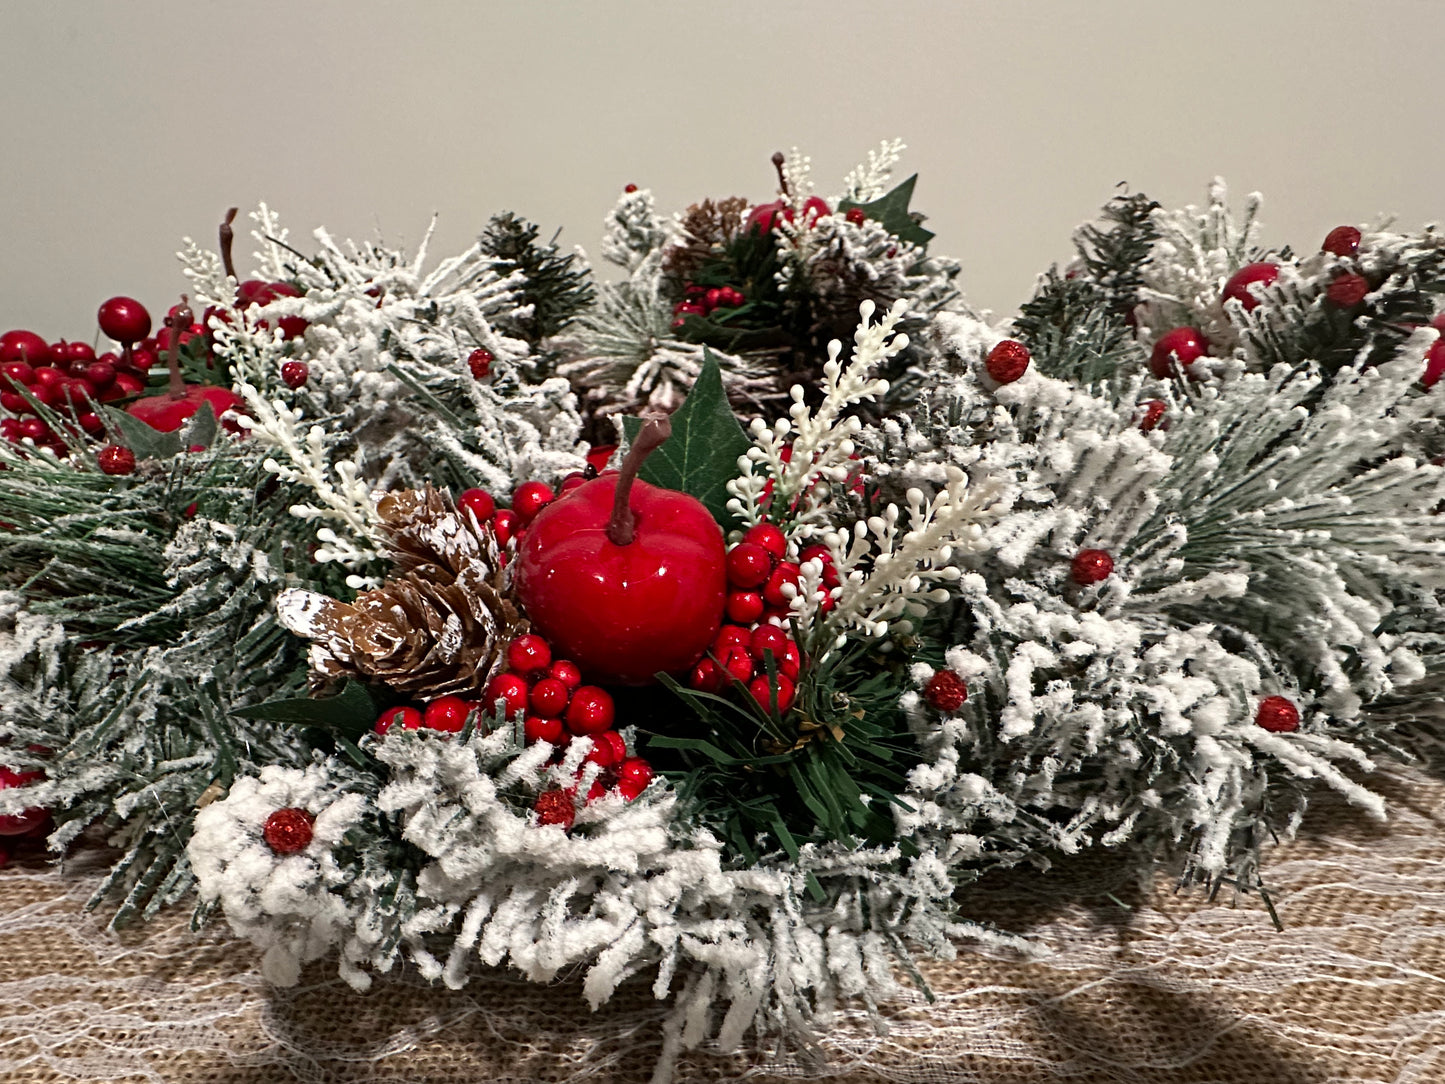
(1076, 325)
(891, 211)
(556, 287)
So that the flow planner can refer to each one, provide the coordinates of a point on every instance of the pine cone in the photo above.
(707, 229)
(442, 626)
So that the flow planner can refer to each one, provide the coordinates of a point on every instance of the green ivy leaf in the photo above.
(350, 713)
(200, 428)
(891, 211)
(145, 442)
(701, 456)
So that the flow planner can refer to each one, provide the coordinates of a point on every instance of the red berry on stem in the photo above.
(1277, 714)
(505, 522)
(537, 728)
(748, 565)
(565, 671)
(18, 371)
(79, 353)
(1342, 241)
(625, 578)
(737, 664)
(599, 455)
(1176, 349)
(1238, 287)
(768, 638)
(591, 711)
(35, 429)
(24, 346)
(770, 537)
(549, 697)
(633, 776)
(447, 713)
(555, 806)
(608, 749)
(744, 607)
(114, 459)
(629, 189)
(1091, 566)
(529, 498)
(762, 691)
(91, 423)
(100, 375)
(124, 319)
(706, 677)
(528, 653)
(945, 692)
(1347, 290)
(571, 482)
(480, 362)
(479, 502)
(405, 717)
(713, 298)
(294, 374)
(855, 215)
(1007, 361)
(511, 688)
(730, 637)
(785, 575)
(288, 831)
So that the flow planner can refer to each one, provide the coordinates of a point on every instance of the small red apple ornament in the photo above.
(625, 578)
(167, 412)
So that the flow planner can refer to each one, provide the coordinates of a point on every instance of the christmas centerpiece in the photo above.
(713, 626)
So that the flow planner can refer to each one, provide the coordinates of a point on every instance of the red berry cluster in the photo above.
(739, 655)
(701, 301)
(547, 694)
(528, 499)
(258, 293)
(759, 577)
(69, 378)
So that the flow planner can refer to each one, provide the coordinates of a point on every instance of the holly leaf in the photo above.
(891, 211)
(145, 442)
(701, 456)
(200, 428)
(350, 713)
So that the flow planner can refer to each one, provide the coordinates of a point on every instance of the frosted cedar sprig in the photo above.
(892, 574)
(345, 500)
(822, 442)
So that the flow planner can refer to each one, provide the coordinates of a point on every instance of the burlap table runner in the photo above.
(1143, 986)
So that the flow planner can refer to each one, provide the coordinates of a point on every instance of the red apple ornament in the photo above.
(625, 578)
(168, 411)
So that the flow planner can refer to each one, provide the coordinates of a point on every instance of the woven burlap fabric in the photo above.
(1143, 986)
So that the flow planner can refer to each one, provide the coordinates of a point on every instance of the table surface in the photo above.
(1141, 985)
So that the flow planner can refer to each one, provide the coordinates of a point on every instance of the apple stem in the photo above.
(621, 527)
(181, 319)
(778, 161)
(228, 236)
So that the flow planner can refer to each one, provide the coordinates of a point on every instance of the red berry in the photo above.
(47, 376)
(744, 607)
(1238, 287)
(762, 691)
(288, 831)
(79, 353)
(549, 697)
(1153, 411)
(748, 565)
(1176, 349)
(791, 662)
(1434, 363)
(529, 498)
(143, 359)
(536, 729)
(24, 346)
(18, 371)
(1347, 290)
(114, 459)
(599, 455)
(59, 355)
(1342, 241)
(571, 482)
(505, 522)
(479, 502)
(35, 429)
(591, 711)
(608, 749)
(294, 374)
(510, 688)
(124, 319)
(768, 638)
(729, 637)
(1091, 566)
(1277, 714)
(565, 671)
(706, 677)
(855, 215)
(786, 573)
(737, 664)
(448, 713)
(1007, 361)
(29, 820)
(633, 776)
(528, 653)
(555, 806)
(100, 375)
(712, 299)
(629, 189)
(945, 692)
(769, 537)
(404, 717)
(480, 362)
(14, 402)
(91, 423)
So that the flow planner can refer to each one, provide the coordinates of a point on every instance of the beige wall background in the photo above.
(126, 125)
